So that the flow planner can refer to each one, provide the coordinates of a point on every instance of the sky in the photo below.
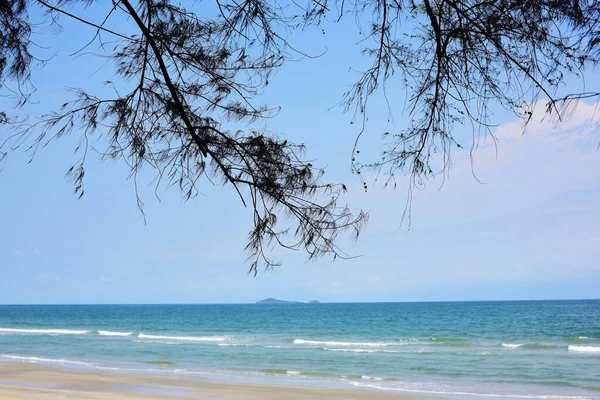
(527, 228)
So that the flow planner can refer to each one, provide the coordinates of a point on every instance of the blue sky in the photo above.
(530, 231)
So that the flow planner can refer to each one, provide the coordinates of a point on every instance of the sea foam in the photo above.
(185, 338)
(156, 342)
(110, 333)
(585, 349)
(371, 378)
(44, 331)
(361, 350)
(333, 343)
(36, 360)
(511, 345)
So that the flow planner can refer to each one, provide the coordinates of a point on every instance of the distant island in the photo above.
(271, 300)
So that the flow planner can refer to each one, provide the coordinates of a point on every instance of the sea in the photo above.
(466, 350)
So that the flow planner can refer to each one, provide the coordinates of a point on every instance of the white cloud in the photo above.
(548, 160)
(575, 120)
(534, 220)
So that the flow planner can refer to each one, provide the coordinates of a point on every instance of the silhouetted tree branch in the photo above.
(189, 72)
(456, 59)
(186, 78)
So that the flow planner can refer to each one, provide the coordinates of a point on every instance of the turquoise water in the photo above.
(533, 349)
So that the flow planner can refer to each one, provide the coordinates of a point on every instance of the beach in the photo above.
(37, 382)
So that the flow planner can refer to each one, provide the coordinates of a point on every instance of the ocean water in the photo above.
(515, 349)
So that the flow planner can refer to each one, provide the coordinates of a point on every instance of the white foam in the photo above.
(293, 372)
(110, 333)
(371, 378)
(585, 349)
(234, 345)
(186, 338)
(44, 331)
(511, 345)
(355, 344)
(361, 350)
(36, 360)
(157, 342)
(153, 370)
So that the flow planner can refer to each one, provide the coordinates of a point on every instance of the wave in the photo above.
(35, 360)
(362, 350)
(265, 346)
(23, 331)
(110, 333)
(580, 339)
(585, 349)
(295, 373)
(447, 340)
(44, 331)
(156, 342)
(405, 342)
(186, 338)
(532, 346)
(282, 372)
(371, 378)
(355, 344)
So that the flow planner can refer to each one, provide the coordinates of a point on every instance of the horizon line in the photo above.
(292, 302)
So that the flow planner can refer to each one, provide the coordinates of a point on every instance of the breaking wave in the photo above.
(355, 344)
(110, 333)
(36, 360)
(185, 338)
(585, 349)
(43, 331)
(362, 350)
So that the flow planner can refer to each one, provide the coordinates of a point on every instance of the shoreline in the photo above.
(41, 382)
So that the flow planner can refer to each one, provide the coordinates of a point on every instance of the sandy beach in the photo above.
(37, 382)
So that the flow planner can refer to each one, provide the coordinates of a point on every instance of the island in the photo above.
(271, 300)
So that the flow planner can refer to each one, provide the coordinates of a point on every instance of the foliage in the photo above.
(459, 58)
(191, 76)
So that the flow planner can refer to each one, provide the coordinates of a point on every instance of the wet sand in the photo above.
(40, 382)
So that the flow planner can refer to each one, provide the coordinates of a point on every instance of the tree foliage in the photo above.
(184, 78)
(460, 58)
